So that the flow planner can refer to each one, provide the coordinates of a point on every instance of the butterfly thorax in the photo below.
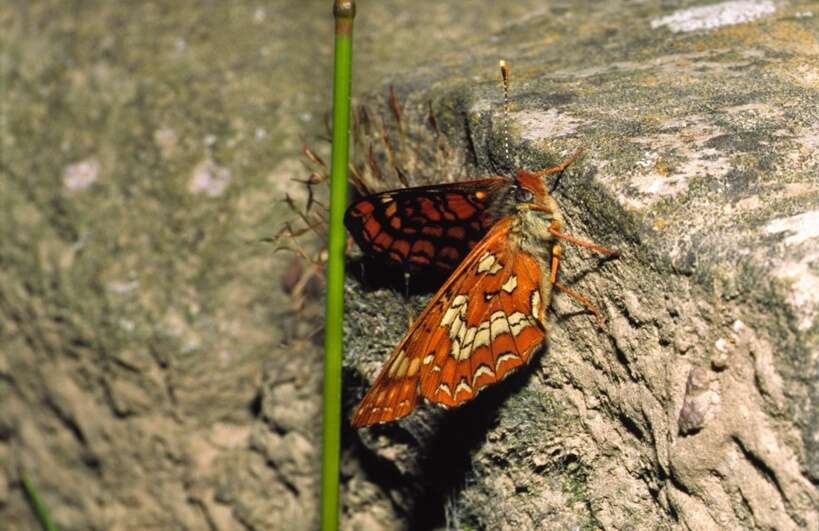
(530, 230)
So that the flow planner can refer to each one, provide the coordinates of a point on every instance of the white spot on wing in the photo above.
(458, 306)
(469, 337)
(463, 386)
(458, 323)
(402, 368)
(445, 388)
(489, 263)
(456, 351)
(517, 322)
(396, 363)
(483, 370)
(534, 299)
(504, 358)
(481, 336)
(498, 325)
(466, 339)
(510, 285)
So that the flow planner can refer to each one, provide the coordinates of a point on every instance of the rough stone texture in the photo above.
(160, 365)
(696, 406)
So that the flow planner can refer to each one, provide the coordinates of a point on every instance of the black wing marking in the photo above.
(424, 228)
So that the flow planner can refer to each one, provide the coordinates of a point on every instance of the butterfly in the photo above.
(499, 237)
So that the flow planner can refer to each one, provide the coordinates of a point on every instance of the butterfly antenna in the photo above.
(504, 66)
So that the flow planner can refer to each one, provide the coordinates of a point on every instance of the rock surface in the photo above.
(696, 406)
(160, 365)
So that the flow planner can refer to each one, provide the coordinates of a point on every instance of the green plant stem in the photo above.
(37, 505)
(344, 12)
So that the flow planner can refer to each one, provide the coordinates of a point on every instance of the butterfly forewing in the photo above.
(424, 228)
(483, 323)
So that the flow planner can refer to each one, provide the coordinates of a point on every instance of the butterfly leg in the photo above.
(582, 300)
(410, 311)
(554, 229)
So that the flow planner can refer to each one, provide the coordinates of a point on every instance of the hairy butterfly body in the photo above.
(499, 237)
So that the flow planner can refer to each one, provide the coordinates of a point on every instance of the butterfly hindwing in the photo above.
(423, 228)
(485, 321)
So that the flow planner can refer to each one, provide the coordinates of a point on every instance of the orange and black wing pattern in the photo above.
(485, 321)
(427, 228)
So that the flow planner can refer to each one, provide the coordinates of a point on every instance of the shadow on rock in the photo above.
(439, 447)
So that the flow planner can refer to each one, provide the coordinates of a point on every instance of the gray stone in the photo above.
(701, 166)
(156, 373)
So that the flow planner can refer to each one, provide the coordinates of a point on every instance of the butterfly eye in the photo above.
(523, 195)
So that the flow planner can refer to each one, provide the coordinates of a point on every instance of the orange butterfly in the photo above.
(489, 316)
